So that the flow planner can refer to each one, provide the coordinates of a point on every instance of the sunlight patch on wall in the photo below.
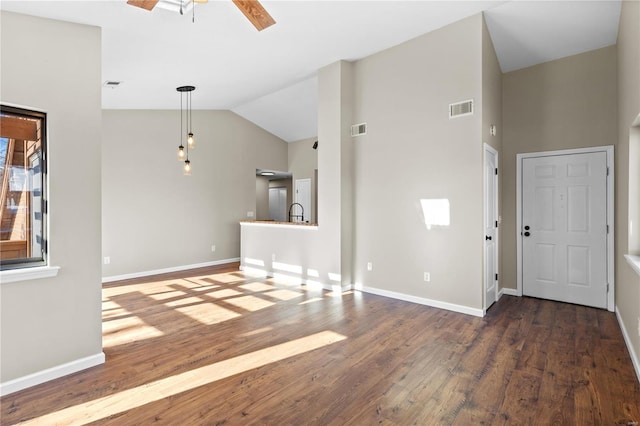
(286, 279)
(255, 262)
(286, 267)
(436, 212)
(254, 272)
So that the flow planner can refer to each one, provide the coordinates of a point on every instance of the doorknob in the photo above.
(487, 238)
(526, 234)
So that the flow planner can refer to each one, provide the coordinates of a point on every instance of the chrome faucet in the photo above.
(301, 216)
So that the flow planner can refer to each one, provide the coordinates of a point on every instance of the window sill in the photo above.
(634, 261)
(25, 274)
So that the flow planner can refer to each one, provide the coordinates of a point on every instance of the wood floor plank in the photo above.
(217, 346)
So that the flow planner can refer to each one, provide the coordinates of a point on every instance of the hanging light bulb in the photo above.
(187, 167)
(181, 153)
(191, 142)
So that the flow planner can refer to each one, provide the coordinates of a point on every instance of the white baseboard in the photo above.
(627, 340)
(509, 291)
(422, 301)
(51, 373)
(167, 270)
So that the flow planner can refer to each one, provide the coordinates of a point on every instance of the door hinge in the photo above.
(496, 170)
(607, 287)
(607, 171)
(496, 223)
(496, 277)
(607, 229)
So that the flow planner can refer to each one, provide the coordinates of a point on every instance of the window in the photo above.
(23, 191)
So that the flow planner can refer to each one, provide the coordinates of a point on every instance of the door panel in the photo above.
(564, 220)
(490, 228)
(303, 197)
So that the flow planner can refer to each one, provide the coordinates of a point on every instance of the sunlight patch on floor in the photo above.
(167, 295)
(283, 294)
(255, 332)
(256, 286)
(223, 293)
(205, 288)
(249, 303)
(223, 278)
(315, 299)
(125, 330)
(208, 313)
(110, 405)
(185, 301)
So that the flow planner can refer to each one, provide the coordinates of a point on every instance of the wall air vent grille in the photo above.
(460, 109)
(359, 129)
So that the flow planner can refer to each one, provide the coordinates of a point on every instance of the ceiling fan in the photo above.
(252, 9)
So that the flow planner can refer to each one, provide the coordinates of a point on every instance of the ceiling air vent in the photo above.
(460, 109)
(359, 129)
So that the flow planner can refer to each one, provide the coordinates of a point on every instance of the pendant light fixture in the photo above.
(185, 121)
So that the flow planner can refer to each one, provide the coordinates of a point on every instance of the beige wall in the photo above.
(262, 198)
(413, 151)
(55, 67)
(492, 115)
(563, 104)
(154, 217)
(627, 281)
(303, 161)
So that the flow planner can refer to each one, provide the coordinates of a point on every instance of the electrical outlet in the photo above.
(369, 266)
(427, 276)
(107, 260)
(249, 214)
(213, 248)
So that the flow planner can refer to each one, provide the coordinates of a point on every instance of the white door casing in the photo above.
(490, 226)
(565, 229)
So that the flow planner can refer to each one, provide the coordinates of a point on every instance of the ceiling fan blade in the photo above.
(254, 11)
(144, 4)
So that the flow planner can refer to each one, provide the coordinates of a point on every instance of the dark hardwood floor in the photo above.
(215, 346)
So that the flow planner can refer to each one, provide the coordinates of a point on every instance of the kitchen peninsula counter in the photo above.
(276, 223)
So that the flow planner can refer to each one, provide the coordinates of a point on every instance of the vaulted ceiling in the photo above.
(269, 77)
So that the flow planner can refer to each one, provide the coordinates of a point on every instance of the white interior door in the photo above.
(303, 197)
(490, 226)
(564, 228)
(278, 204)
